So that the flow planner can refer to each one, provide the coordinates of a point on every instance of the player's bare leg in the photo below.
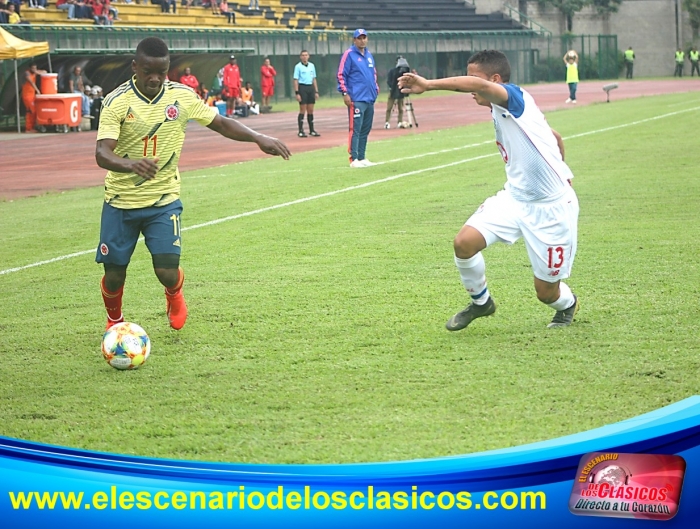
(558, 296)
(468, 245)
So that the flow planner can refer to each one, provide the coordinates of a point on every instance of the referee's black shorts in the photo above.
(307, 93)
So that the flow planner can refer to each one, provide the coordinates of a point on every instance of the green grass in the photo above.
(316, 330)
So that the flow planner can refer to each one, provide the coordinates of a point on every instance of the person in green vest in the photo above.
(694, 57)
(680, 59)
(571, 61)
(629, 62)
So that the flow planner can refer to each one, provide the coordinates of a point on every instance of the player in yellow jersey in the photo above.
(142, 129)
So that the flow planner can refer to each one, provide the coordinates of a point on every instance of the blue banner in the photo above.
(526, 486)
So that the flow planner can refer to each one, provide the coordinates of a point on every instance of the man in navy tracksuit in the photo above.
(357, 81)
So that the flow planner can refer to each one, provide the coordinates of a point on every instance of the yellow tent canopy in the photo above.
(12, 47)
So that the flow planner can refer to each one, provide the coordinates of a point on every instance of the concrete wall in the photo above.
(649, 26)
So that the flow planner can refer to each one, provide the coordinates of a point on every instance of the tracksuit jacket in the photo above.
(357, 75)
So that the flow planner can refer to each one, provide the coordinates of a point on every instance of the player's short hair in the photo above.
(303, 51)
(152, 47)
(492, 62)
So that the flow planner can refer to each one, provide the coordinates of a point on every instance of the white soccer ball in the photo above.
(126, 346)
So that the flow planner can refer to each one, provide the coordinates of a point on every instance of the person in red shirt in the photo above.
(100, 12)
(267, 82)
(190, 80)
(231, 89)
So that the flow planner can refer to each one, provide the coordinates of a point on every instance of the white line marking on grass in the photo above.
(359, 186)
(332, 193)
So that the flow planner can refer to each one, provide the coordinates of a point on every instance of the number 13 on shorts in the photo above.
(555, 257)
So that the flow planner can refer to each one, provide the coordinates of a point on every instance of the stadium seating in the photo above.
(272, 15)
(404, 15)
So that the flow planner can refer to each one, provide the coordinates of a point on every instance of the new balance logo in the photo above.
(176, 243)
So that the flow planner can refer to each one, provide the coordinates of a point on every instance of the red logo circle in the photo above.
(171, 112)
(104, 250)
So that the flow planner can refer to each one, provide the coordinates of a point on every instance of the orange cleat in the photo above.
(176, 309)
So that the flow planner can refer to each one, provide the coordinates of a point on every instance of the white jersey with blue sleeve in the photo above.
(534, 166)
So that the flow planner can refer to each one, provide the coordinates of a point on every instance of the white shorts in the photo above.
(549, 229)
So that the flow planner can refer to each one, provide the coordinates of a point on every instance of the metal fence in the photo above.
(105, 54)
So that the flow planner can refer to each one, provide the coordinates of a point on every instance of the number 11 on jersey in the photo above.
(146, 140)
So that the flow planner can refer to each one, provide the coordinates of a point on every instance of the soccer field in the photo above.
(318, 296)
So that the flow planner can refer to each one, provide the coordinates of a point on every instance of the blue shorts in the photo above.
(120, 230)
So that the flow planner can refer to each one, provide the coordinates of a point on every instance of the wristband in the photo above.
(296, 93)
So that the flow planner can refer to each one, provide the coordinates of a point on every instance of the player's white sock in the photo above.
(566, 298)
(473, 274)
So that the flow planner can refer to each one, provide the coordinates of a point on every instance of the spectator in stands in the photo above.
(226, 11)
(571, 62)
(37, 4)
(231, 85)
(306, 91)
(190, 80)
(11, 14)
(357, 81)
(694, 57)
(17, 4)
(395, 95)
(186, 4)
(100, 13)
(680, 60)
(68, 6)
(29, 91)
(165, 6)
(629, 62)
(254, 5)
(76, 85)
(267, 83)
(113, 11)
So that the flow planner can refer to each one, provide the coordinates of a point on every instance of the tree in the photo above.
(693, 9)
(603, 7)
(570, 7)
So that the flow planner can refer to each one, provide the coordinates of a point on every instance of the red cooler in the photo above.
(49, 83)
(58, 109)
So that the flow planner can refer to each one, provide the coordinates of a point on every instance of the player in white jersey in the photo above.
(537, 203)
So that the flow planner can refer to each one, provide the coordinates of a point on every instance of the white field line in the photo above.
(360, 186)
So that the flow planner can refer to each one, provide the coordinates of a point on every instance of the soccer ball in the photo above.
(126, 346)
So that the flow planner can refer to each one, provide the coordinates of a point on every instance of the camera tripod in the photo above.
(408, 110)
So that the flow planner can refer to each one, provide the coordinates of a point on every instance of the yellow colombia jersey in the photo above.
(147, 128)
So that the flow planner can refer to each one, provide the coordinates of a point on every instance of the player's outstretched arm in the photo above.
(411, 83)
(232, 129)
(105, 157)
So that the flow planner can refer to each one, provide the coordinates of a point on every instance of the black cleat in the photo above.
(563, 318)
(460, 320)
(314, 133)
(301, 134)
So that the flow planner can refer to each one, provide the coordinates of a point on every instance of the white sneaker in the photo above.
(386, 125)
(357, 163)
(574, 101)
(568, 100)
(367, 163)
